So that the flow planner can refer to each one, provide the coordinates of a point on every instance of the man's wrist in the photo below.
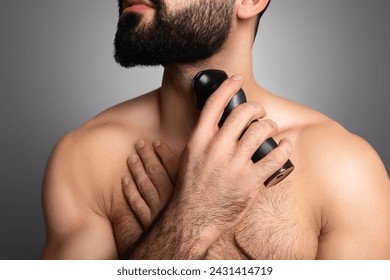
(193, 236)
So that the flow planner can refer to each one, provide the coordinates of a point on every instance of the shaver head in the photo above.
(208, 81)
(205, 83)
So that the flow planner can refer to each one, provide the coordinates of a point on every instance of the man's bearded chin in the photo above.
(187, 36)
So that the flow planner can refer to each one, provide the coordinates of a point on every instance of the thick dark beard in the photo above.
(187, 36)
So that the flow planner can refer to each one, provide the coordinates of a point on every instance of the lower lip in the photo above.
(137, 8)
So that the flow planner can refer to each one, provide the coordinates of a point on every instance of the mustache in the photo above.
(157, 3)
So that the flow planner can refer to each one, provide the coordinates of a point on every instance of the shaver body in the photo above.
(204, 84)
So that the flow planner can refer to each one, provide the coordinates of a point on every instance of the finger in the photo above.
(273, 161)
(146, 188)
(155, 170)
(211, 113)
(239, 118)
(168, 158)
(258, 132)
(136, 202)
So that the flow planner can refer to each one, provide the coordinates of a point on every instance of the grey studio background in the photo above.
(57, 71)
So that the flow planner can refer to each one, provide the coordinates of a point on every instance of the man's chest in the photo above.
(280, 224)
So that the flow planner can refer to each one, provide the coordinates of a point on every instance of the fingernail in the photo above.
(237, 77)
(125, 181)
(140, 144)
(133, 158)
(156, 143)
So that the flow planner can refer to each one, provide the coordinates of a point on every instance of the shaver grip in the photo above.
(204, 84)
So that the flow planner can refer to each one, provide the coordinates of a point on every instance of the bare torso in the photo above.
(284, 223)
(311, 214)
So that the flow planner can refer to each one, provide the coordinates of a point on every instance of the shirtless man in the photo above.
(105, 182)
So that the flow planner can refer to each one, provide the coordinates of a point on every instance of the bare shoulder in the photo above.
(349, 184)
(83, 171)
(327, 146)
(85, 158)
(82, 160)
(88, 161)
(340, 157)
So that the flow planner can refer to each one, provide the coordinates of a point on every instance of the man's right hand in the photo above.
(217, 180)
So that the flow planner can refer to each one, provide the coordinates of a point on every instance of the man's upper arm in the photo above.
(75, 226)
(356, 216)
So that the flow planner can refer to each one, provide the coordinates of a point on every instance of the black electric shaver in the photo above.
(203, 85)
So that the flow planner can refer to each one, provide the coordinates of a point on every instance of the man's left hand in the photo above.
(153, 175)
